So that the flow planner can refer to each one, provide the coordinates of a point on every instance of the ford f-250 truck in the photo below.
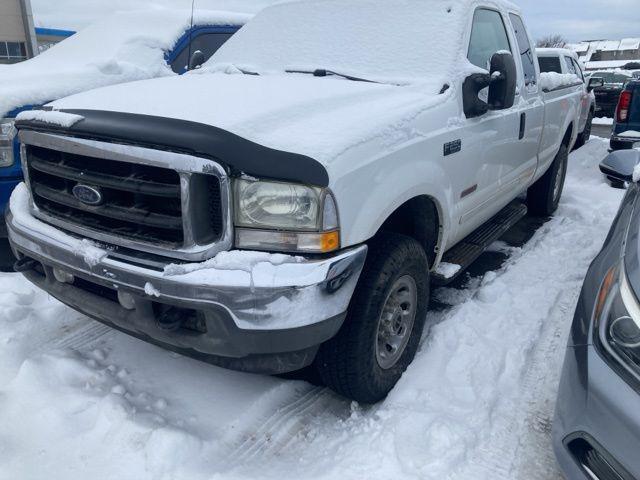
(292, 202)
(122, 48)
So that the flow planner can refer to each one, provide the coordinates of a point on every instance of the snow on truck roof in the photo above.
(555, 52)
(122, 47)
(376, 39)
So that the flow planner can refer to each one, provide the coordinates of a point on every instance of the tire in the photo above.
(584, 137)
(543, 197)
(356, 363)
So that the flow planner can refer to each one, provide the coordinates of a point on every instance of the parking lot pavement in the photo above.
(603, 131)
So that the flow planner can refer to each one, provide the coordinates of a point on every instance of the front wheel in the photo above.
(543, 196)
(386, 317)
(584, 137)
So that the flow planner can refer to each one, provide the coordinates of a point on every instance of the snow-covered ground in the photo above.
(78, 400)
(603, 121)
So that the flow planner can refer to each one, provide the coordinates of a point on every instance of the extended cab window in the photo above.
(488, 36)
(526, 52)
(207, 43)
(578, 69)
(550, 64)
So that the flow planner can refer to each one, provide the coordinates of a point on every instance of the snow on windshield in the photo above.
(398, 42)
(121, 48)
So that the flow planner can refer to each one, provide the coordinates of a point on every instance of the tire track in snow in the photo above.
(84, 335)
(529, 418)
(285, 425)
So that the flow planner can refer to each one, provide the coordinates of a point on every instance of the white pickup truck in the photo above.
(564, 62)
(290, 203)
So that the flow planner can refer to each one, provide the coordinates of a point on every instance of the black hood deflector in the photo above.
(238, 154)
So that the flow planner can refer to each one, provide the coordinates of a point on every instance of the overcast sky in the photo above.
(583, 19)
(575, 19)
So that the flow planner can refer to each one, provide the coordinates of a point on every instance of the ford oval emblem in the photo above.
(88, 195)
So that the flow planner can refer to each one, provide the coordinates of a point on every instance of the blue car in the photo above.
(626, 129)
(122, 48)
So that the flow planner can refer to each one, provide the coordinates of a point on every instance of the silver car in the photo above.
(597, 427)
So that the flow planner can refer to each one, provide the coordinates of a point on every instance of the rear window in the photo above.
(550, 64)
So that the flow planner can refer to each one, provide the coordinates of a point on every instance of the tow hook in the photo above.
(170, 319)
(25, 264)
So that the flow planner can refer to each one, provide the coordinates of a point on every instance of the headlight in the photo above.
(618, 324)
(7, 134)
(285, 217)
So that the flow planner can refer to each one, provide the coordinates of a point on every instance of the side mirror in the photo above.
(196, 60)
(619, 166)
(502, 87)
(473, 84)
(502, 91)
(595, 82)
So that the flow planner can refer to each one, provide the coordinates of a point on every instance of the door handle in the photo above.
(523, 125)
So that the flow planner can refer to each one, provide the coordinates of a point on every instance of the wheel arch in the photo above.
(421, 218)
(569, 135)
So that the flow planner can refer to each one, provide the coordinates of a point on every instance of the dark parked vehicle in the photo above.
(626, 128)
(607, 95)
(597, 427)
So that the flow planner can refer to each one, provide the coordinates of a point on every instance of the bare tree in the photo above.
(552, 41)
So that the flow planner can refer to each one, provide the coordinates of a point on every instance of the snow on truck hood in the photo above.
(317, 117)
(121, 48)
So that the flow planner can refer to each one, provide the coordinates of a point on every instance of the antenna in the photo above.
(193, 6)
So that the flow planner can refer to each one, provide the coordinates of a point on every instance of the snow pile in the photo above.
(636, 173)
(603, 121)
(51, 117)
(630, 134)
(121, 48)
(552, 80)
(448, 270)
(234, 260)
(476, 403)
(150, 290)
(78, 14)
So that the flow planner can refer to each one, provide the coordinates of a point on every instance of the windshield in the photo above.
(611, 77)
(413, 40)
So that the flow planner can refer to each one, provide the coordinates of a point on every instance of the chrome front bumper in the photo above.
(288, 306)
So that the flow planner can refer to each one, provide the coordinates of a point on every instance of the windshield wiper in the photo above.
(321, 72)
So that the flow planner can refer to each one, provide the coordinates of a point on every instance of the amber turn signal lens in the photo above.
(605, 288)
(329, 242)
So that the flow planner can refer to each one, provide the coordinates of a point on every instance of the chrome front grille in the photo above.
(154, 201)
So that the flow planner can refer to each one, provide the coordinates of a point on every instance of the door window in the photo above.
(570, 66)
(524, 46)
(488, 36)
(207, 43)
(578, 69)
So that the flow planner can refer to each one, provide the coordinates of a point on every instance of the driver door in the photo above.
(489, 141)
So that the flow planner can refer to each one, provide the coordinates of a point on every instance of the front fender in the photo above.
(369, 194)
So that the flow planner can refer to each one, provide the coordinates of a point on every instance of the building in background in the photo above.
(608, 54)
(17, 34)
(48, 37)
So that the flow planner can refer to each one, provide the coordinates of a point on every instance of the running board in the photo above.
(469, 249)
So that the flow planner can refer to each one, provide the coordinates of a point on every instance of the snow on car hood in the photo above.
(318, 117)
(124, 47)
